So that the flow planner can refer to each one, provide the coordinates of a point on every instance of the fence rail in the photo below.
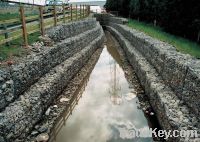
(46, 17)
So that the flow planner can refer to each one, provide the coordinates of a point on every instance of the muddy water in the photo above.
(108, 110)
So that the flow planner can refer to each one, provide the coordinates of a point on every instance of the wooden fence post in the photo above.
(71, 12)
(55, 15)
(64, 19)
(76, 13)
(41, 20)
(6, 34)
(24, 30)
(83, 11)
(80, 11)
(88, 10)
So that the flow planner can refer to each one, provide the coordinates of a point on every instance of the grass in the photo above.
(183, 45)
(15, 48)
(9, 16)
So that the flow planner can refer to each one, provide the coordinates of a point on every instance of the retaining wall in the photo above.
(36, 83)
(171, 79)
(180, 72)
(23, 75)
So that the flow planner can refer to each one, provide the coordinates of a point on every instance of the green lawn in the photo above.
(9, 16)
(15, 48)
(181, 44)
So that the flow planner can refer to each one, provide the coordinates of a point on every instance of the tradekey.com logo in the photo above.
(166, 133)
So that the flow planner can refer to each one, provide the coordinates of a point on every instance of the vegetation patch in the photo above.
(16, 48)
(181, 44)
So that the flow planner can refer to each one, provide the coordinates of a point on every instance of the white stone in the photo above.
(64, 100)
(42, 137)
(48, 111)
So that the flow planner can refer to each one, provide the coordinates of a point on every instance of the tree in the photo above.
(112, 5)
(124, 7)
(134, 8)
(180, 17)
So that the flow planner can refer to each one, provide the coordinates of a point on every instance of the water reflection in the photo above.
(95, 118)
(71, 105)
(115, 88)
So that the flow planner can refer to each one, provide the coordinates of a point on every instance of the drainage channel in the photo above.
(109, 106)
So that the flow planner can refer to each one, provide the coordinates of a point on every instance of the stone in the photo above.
(194, 120)
(9, 97)
(48, 112)
(130, 96)
(180, 113)
(173, 101)
(2, 139)
(55, 106)
(44, 137)
(43, 76)
(46, 40)
(151, 113)
(43, 128)
(34, 133)
(186, 120)
(64, 100)
(37, 127)
(4, 86)
(1, 79)
(9, 83)
(55, 114)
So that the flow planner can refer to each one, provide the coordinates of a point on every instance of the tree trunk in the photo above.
(198, 37)
(155, 22)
